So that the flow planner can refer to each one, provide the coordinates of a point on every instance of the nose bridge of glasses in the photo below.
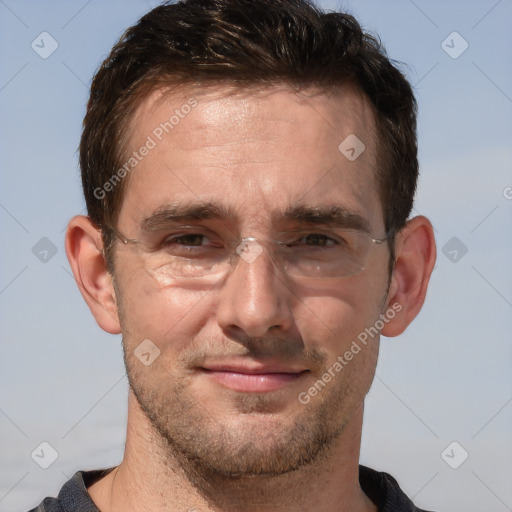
(249, 248)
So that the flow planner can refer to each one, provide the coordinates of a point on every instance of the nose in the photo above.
(255, 298)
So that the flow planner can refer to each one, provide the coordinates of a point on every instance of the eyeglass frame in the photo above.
(374, 241)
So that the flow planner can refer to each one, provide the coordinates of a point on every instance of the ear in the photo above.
(415, 256)
(84, 248)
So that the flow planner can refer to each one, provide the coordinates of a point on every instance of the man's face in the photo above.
(236, 353)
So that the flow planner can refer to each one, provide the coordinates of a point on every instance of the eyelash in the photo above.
(175, 238)
(314, 234)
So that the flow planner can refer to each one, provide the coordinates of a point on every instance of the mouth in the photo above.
(255, 378)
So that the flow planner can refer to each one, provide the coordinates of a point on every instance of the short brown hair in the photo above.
(247, 43)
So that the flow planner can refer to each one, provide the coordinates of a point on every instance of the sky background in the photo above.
(446, 379)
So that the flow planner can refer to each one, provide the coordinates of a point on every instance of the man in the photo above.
(249, 168)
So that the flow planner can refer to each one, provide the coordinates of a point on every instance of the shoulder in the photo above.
(73, 496)
(385, 492)
(48, 505)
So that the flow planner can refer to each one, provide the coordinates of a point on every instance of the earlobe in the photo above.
(84, 250)
(415, 257)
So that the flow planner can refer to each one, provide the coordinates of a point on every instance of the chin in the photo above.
(243, 444)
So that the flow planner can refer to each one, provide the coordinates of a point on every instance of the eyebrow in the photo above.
(185, 212)
(327, 215)
(321, 215)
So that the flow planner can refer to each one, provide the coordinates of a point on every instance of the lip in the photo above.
(255, 378)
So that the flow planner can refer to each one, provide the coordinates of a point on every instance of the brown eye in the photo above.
(317, 239)
(193, 239)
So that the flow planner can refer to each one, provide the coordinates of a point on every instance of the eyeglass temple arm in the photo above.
(124, 239)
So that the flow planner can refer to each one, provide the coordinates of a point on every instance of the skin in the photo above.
(193, 443)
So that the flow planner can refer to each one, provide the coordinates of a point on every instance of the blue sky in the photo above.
(447, 378)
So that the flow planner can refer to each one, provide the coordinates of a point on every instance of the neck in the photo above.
(152, 477)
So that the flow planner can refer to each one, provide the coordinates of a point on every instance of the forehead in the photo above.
(253, 151)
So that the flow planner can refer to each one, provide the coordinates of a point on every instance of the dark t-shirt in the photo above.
(381, 488)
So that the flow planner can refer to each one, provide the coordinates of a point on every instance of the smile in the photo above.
(253, 381)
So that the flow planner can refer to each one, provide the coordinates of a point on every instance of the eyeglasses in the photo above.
(190, 252)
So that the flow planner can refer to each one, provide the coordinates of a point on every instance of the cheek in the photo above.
(331, 325)
(335, 315)
(169, 316)
(343, 328)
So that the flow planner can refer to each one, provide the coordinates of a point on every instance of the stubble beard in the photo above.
(207, 449)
